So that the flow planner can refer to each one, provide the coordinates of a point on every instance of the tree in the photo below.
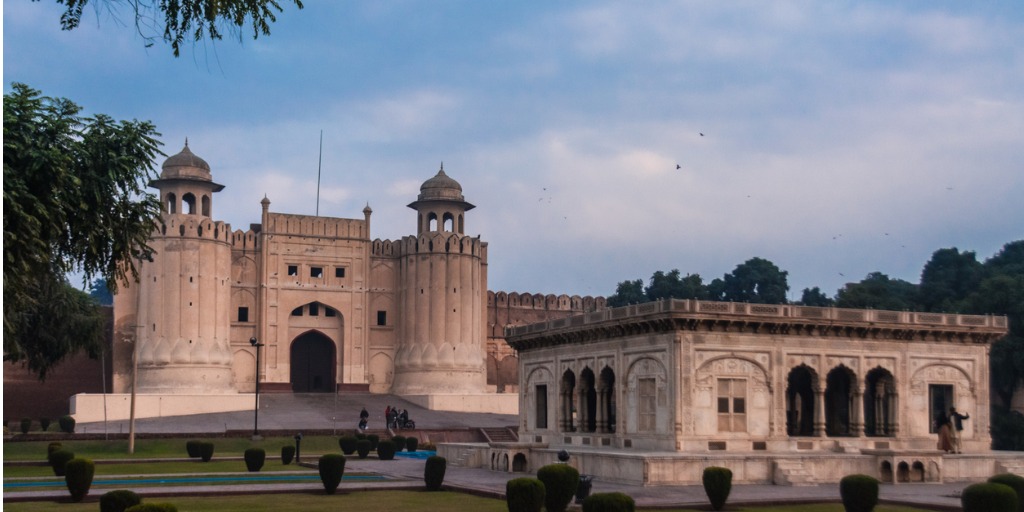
(816, 298)
(73, 201)
(947, 279)
(755, 280)
(673, 286)
(100, 292)
(626, 293)
(184, 19)
(877, 291)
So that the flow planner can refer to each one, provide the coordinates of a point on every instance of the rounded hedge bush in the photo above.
(988, 497)
(67, 424)
(193, 448)
(560, 482)
(152, 507)
(386, 450)
(78, 476)
(332, 468)
(363, 448)
(609, 502)
(359, 435)
(206, 450)
(26, 425)
(717, 485)
(119, 500)
(524, 494)
(859, 493)
(287, 454)
(254, 459)
(52, 447)
(412, 443)
(433, 472)
(1014, 482)
(58, 460)
(348, 444)
(44, 424)
(399, 442)
(374, 441)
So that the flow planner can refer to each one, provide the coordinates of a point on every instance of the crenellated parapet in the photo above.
(245, 240)
(312, 226)
(194, 226)
(548, 302)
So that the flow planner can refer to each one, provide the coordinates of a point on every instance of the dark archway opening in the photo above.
(312, 363)
(800, 401)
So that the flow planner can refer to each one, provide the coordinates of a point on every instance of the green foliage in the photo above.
(100, 292)
(859, 493)
(118, 501)
(1014, 482)
(78, 476)
(673, 286)
(988, 497)
(73, 201)
(359, 435)
(254, 459)
(717, 485)
(877, 291)
(412, 444)
(332, 468)
(433, 472)
(814, 297)
(287, 454)
(609, 502)
(386, 450)
(1007, 430)
(194, 448)
(524, 494)
(180, 21)
(755, 280)
(26, 425)
(626, 293)
(67, 424)
(206, 450)
(560, 482)
(44, 424)
(399, 442)
(52, 447)
(152, 507)
(374, 439)
(58, 461)
(363, 448)
(947, 279)
(348, 444)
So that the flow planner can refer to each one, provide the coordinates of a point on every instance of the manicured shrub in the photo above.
(287, 454)
(359, 435)
(348, 444)
(254, 459)
(399, 442)
(152, 507)
(560, 482)
(1014, 482)
(609, 502)
(206, 450)
(988, 497)
(52, 447)
(386, 450)
(363, 448)
(412, 443)
(67, 424)
(524, 494)
(717, 485)
(78, 477)
(119, 500)
(58, 460)
(44, 424)
(428, 447)
(433, 472)
(332, 468)
(374, 441)
(193, 448)
(859, 493)
(26, 425)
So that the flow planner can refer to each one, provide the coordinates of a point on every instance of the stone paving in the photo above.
(287, 412)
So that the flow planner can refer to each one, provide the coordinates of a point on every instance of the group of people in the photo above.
(949, 427)
(394, 417)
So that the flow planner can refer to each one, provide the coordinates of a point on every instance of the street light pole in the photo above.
(256, 416)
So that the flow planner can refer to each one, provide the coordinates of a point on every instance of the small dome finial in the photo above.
(186, 142)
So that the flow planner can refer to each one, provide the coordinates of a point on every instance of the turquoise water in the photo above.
(243, 479)
(422, 454)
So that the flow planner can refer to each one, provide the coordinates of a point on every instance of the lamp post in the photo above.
(256, 416)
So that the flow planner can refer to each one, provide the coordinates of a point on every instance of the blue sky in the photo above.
(839, 138)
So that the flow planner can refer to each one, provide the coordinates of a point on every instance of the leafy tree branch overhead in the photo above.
(179, 21)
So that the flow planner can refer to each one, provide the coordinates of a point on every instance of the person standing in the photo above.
(943, 427)
(956, 426)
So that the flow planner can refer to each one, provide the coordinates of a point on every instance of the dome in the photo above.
(441, 188)
(186, 165)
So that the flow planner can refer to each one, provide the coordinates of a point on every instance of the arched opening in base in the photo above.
(312, 363)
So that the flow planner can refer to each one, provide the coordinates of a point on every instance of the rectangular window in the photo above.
(316, 272)
(542, 406)
(732, 405)
(940, 399)
(243, 314)
(293, 270)
(339, 272)
(382, 318)
(297, 311)
(330, 311)
(648, 405)
(314, 309)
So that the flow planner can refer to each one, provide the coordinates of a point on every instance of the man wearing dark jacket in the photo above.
(957, 425)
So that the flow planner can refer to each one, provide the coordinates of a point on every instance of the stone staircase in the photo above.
(792, 473)
(499, 435)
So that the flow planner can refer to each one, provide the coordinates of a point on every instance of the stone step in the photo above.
(792, 473)
(499, 435)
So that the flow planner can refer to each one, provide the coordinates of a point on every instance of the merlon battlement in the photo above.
(312, 226)
(193, 226)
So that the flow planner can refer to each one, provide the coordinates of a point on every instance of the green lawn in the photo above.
(158, 468)
(163, 448)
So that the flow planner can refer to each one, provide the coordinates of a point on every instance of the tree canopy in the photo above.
(73, 201)
(181, 20)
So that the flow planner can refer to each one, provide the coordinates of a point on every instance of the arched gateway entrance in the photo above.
(312, 363)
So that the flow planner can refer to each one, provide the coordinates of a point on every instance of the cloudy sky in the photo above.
(832, 138)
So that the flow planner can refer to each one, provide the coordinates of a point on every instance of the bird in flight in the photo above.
(678, 166)
(702, 135)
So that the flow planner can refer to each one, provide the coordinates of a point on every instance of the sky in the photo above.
(599, 140)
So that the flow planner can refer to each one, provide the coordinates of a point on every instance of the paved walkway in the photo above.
(323, 412)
